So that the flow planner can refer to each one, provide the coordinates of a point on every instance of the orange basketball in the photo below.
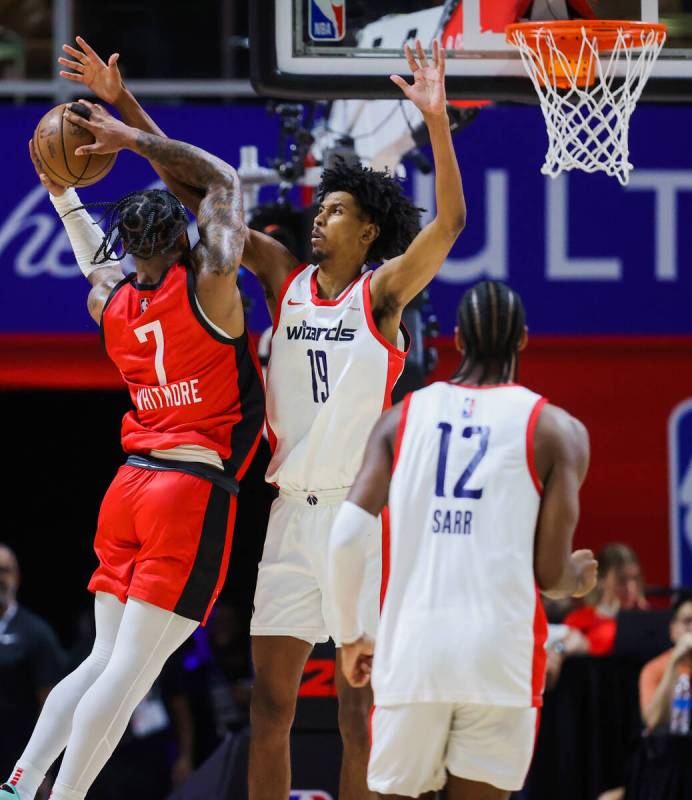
(56, 139)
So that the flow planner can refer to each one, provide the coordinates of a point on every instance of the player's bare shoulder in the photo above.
(560, 437)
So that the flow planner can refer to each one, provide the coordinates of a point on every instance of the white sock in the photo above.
(63, 792)
(26, 779)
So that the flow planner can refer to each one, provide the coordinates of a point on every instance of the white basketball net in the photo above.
(588, 126)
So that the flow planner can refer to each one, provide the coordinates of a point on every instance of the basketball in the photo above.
(56, 139)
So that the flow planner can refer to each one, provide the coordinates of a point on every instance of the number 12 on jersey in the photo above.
(460, 490)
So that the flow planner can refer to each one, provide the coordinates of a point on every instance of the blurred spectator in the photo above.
(220, 675)
(31, 663)
(620, 587)
(658, 677)
(562, 642)
(28, 24)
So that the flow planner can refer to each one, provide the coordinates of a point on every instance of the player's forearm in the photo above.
(567, 584)
(185, 162)
(136, 117)
(346, 565)
(84, 234)
(658, 710)
(449, 190)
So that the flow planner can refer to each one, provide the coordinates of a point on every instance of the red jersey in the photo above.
(598, 629)
(188, 383)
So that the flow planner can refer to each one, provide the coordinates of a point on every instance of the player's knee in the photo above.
(99, 657)
(271, 710)
(354, 722)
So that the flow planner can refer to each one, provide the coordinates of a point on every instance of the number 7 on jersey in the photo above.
(142, 334)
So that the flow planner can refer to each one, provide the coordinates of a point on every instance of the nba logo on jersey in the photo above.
(469, 405)
(680, 477)
(143, 304)
(309, 794)
(327, 20)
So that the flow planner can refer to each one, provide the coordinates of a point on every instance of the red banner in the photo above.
(622, 388)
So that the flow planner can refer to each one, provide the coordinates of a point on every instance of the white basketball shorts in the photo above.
(414, 746)
(292, 596)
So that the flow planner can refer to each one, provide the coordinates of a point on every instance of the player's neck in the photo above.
(333, 278)
(482, 375)
(149, 271)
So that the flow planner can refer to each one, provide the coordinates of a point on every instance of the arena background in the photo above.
(604, 272)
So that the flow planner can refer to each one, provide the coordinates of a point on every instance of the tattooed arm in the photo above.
(268, 259)
(216, 257)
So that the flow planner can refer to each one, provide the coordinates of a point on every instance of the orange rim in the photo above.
(568, 34)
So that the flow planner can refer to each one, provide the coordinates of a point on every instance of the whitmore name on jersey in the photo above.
(182, 393)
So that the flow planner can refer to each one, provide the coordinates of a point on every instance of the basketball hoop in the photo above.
(589, 75)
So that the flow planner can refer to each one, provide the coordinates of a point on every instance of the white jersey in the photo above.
(330, 376)
(462, 621)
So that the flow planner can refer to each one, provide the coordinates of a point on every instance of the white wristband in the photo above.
(84, 234)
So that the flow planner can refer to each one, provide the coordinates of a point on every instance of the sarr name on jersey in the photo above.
(455, 522)
(305, 331)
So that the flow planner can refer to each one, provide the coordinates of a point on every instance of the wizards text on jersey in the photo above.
(305, 331)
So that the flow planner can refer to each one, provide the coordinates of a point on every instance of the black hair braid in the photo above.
(143, 224)
(491, 320)
(381, 199)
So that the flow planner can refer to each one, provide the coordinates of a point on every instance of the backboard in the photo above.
(332, 49)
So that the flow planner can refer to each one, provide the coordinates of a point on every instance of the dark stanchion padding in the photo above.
(590, 725)
(223, 776)
(661, 769)
(315, 761)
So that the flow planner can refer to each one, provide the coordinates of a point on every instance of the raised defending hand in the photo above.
(356, 661)
(111, 134)
(54, 188)
(91, 70)
(587, 571)
(428, 90)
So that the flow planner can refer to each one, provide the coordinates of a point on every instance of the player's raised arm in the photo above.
(85, 66)
(216, 257)
(354, 524)
(399, 280)
(562, 459)
(268, 259)
(85, 236)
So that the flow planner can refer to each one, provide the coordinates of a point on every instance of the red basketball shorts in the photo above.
(165, 538)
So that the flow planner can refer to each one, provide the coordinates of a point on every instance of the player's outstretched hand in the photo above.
(54, 188)
(587, 571)
(111, 134)
(356, 661)
(428, 90)
(89, 69)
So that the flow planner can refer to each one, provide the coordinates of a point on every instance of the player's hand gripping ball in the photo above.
(55, 141)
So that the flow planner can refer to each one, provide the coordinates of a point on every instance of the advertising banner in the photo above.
(587, 255)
